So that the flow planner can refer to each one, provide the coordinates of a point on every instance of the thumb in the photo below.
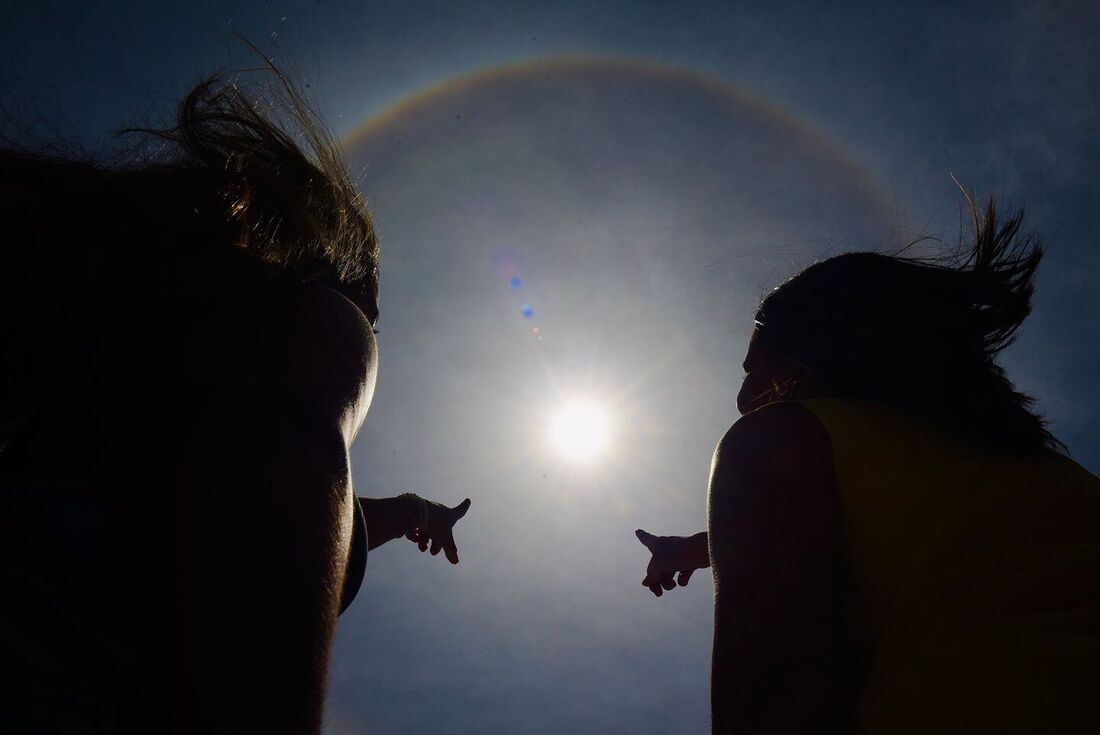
(461, 508)
(646, 538)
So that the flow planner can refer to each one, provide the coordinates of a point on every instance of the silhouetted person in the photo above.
(187, 355)
(898, 543)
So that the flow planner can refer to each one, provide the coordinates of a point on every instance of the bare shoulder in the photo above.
(783, 440)
(313, 319)
(781, 426)
(317, 350)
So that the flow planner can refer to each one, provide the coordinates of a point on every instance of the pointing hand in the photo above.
(434, 528)
(673, 555)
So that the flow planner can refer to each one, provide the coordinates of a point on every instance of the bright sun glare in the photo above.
(579, 430)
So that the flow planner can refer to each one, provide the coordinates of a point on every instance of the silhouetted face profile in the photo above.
(770, 375)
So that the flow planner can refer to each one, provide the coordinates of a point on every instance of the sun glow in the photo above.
(580, 430)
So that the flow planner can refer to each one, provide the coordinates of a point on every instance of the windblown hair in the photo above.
(246, 188)
(244, 169)
(923, 335)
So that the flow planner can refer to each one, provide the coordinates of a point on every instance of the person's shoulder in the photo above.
(313, 352)
(778, 445)
(776, 427)
(314, 315)
(280, 353)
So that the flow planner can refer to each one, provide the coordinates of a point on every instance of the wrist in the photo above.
(415, 511)
(390, 518)
(700, 550)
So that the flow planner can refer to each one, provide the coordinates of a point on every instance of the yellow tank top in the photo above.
(975, 579)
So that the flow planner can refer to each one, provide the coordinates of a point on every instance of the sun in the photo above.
(580, 430)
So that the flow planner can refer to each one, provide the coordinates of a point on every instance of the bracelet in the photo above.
(421, 509)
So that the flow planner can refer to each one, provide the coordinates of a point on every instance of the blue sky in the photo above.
(645, 218)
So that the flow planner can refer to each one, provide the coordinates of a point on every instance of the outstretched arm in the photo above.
(778, 661)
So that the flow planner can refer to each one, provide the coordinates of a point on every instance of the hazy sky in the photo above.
(647, 170)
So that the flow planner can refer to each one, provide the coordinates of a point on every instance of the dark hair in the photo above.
(249, 170)
(246, 187)
(920, 334)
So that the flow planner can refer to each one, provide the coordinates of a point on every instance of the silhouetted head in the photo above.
(245, 173)
(917, 334)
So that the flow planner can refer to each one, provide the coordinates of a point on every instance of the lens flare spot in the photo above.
(527, 311)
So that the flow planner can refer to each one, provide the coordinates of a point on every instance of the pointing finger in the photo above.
(646, 538)
(451, 551)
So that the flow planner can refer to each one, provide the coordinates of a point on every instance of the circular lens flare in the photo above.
(579, 430)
